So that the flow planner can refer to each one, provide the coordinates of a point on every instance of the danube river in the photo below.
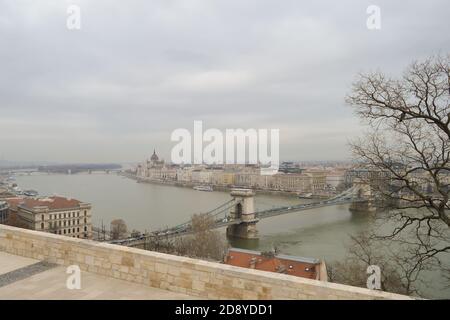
(320, 233)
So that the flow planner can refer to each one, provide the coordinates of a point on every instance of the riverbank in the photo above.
(289, 194)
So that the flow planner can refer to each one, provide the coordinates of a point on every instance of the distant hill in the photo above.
(23, 164)
(79, 167)
(48, 166)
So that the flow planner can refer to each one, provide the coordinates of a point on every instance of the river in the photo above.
(319, 233)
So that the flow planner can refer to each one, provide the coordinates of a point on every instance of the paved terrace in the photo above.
(33, 266)
(25, 278)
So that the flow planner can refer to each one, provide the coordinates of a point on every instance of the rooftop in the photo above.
(52, 203)
(296, 266)
(14, 202)
(154, 157)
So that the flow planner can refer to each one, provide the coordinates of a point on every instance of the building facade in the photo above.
(290, 178)
(57, 215)
(4, 210)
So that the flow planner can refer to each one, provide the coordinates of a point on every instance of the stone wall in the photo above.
(178, 274)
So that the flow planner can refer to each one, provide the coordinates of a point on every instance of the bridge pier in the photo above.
(362, 206)
(364, 192)
(245, 211)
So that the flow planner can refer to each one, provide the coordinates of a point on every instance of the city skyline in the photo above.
(115, 89)
(224, 150)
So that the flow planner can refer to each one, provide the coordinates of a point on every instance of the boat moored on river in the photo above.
(203, 188)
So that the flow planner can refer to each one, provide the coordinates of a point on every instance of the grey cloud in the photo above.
(140, 69)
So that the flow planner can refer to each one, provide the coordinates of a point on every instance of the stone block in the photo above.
(202, 278)
(127, 261)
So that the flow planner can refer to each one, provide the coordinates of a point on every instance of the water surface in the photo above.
(320, 233)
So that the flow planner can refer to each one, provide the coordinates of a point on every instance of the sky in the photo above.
(115, 89)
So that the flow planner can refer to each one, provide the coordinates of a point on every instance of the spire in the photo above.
(154, 157)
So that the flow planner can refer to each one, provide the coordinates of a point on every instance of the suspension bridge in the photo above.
(240, 217)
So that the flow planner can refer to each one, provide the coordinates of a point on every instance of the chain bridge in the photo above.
(239, 216)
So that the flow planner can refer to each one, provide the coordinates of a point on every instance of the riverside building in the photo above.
(58, 215)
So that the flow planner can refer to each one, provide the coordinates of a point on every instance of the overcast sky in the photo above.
(137, 70)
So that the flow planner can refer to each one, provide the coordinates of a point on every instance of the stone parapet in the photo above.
(200, 278)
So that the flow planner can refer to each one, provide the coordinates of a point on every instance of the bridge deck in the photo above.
(345, 197)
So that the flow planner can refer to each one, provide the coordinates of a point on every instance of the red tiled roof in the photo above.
(309, 268)
(14, 202)
(53, 203)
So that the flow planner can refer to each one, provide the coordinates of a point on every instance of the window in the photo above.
(85, 213)
(85, 228)
(85, 220)
(42, 226)
(64, 231)
(73, 230)
(78, 229)
(43, 217)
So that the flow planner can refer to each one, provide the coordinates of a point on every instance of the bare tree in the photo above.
(399, 274)
(204, 243)
(118, 229)
(409, 140)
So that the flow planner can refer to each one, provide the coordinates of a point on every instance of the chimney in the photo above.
(253, 263)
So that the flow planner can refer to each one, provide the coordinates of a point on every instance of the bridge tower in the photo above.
(245, 211)
(364, 192)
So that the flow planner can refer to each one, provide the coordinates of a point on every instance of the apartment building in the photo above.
(291, 182)
(184, 174)
(318, 180)
(4, 210)
(58, 215)
(334, 179)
